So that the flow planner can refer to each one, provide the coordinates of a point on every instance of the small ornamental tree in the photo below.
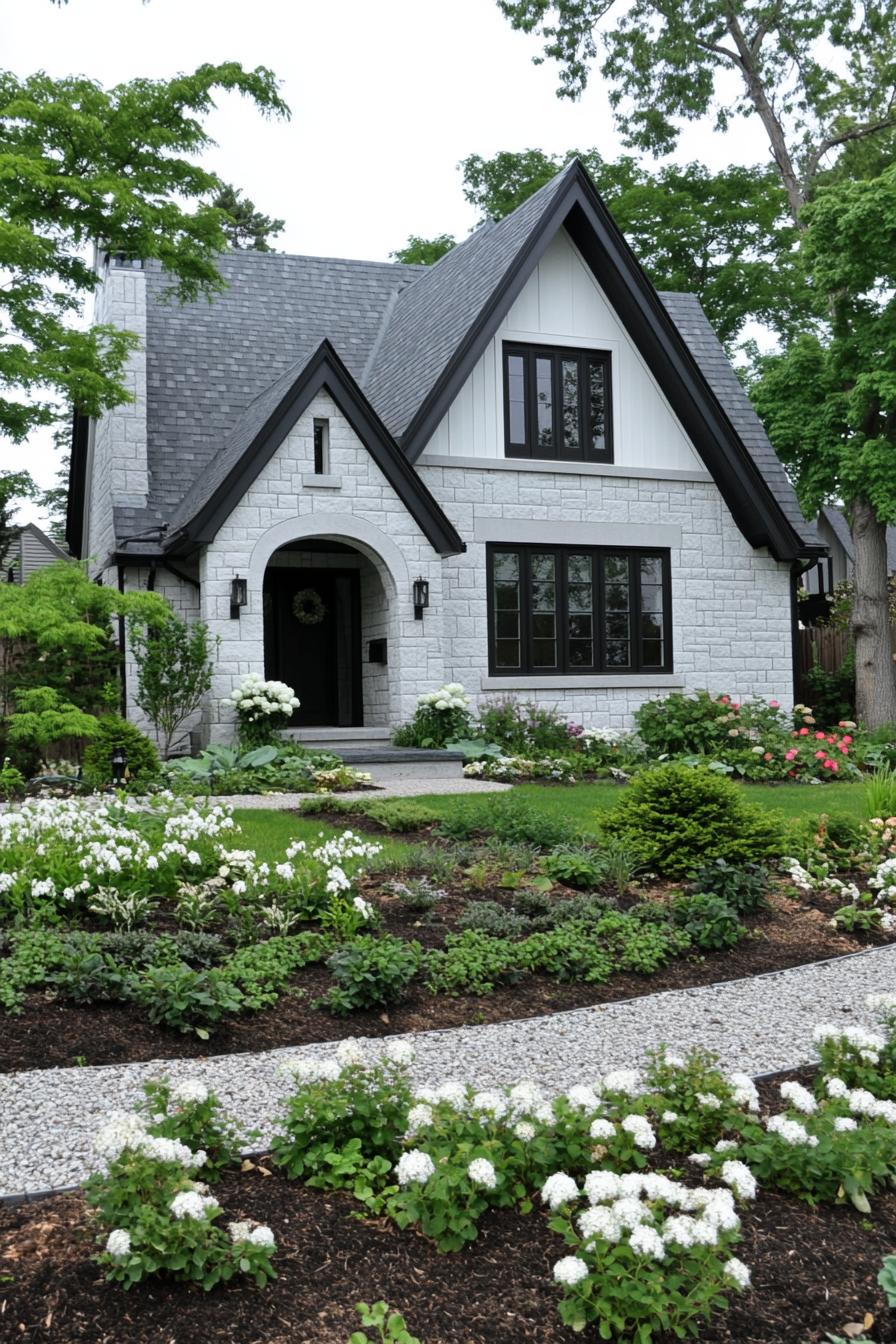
(174, 671)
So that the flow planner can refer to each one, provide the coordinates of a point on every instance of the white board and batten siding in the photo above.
(562, 304)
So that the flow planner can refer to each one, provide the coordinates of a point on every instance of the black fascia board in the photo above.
(77, 477)
(580, 210)
(324, 370)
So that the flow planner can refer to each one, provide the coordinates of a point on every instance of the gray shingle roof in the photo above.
(434, 312)
(207, 361)
(216, 370)
(687, 313)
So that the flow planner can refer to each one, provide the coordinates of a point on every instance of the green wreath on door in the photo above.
(308, 607)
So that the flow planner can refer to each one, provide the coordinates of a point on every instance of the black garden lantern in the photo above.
(421, 598)
(119, 766)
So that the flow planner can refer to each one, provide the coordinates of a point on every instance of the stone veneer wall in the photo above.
(730, 604)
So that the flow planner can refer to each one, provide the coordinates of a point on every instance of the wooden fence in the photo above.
(818, 644)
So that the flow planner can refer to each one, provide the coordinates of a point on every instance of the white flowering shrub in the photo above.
(262, 708)
(441, 716)
(188, 1112)
(512, 769)
(345, 1119)
(154, 1217)
(646, 1254)
(862, 1058)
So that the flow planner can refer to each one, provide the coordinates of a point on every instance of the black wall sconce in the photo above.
(239, 596)
(421, 598)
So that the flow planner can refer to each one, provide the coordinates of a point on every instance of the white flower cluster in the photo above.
(414, 1167)
(255, 699)
(800, 1098)
(256, 1234)
(450, 696)
(630, 1208)
(790, 1131)
(192, 1204)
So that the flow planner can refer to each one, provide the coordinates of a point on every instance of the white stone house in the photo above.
(560, 457)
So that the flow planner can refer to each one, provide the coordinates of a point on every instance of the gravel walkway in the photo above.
(48, 1117)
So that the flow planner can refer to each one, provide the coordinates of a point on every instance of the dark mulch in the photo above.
(813, 1271)
(53, 1033)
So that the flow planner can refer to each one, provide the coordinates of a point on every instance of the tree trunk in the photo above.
(875, 669)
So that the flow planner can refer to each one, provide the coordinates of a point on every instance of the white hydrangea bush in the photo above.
(442, 716)
(153, 1214)
(262, 708)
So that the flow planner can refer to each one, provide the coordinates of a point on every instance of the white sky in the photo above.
(386, 100)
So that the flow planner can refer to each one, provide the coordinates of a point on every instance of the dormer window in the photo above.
(557, 403)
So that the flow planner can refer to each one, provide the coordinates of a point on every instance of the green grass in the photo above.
(270, 832)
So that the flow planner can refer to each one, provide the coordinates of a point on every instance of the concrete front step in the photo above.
(338, 739)
(369, 749)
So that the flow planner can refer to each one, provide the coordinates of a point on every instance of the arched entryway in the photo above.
(327, 631)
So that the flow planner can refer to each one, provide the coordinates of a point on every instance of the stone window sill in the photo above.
(311, 481)
(634, 681)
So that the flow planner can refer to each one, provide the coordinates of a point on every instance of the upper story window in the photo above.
(557, 403)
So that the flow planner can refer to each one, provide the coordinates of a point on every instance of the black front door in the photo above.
(317, 651)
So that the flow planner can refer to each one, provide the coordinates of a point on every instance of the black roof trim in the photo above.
(324, 370)
(580, 210)
(77, 477)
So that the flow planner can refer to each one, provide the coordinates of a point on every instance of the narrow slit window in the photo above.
(321, 447)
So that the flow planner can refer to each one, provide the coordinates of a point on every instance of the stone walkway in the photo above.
(404, 788)
(48, 1117)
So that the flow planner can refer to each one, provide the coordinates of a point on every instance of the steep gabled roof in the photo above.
(219, 374)
(441, 323)
(264, 425)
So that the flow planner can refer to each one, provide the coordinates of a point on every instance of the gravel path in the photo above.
(48, 1117)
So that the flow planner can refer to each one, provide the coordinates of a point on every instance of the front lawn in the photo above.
(128, 934)
(580, 804)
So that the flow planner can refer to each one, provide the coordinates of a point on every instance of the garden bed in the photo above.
(813, 1271)
(55, 1033)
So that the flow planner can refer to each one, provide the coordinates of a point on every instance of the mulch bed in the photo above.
(814, 1270)
(53, 1033)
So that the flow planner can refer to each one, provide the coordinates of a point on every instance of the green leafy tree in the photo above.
(42, 717)
(419, 251)
(725, 236)
(56, 631)
(174, 671)
(81, 164)
(829, 402)
(247, 229)
(816, 75)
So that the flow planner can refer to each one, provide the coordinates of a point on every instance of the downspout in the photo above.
(122, 665)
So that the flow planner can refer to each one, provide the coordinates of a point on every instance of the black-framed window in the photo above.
(557, 403)
(578, 610)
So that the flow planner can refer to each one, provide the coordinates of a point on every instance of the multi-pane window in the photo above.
(578, 609)
(557, 403)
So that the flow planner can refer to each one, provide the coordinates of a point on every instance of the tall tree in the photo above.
(80, 164)
(820, 79)
(419, 251)
(830, 401)
(247, 229)
(725, 236)
(815, 73)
